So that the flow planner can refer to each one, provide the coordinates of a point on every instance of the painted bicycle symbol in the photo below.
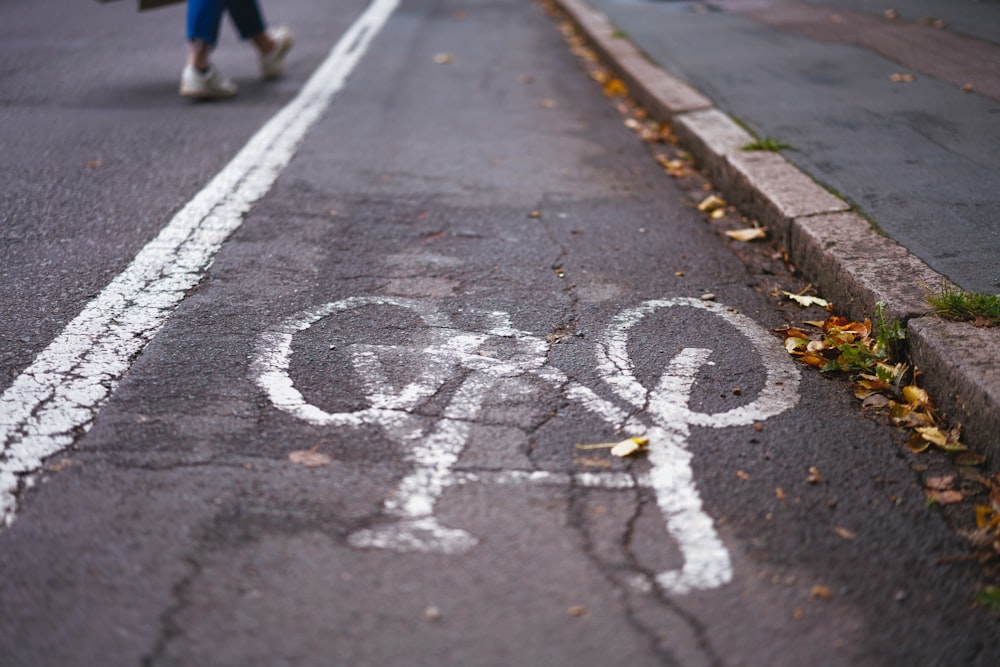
(661, 414)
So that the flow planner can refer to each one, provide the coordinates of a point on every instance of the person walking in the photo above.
(200, 80)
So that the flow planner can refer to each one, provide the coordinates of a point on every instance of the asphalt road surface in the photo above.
(298, 379)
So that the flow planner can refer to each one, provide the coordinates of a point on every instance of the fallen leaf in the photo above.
(432, 614)
(821, 592)
(916, 444)
(310, 458)
(94, 164)
(916, 396)
(845, 533)
(779, 493)
(902, 78)
(711, 203)
(615, 88)
(805, 301)
(748, 234)
(548, 104)
(968, 88)
(629, 447)
(798, 614)
(443, 58)
(814, 476)
(940, 483)
(944, 497)
(577, 610)
(742, 475)
(60, 465)
(624, 448)
(875, 402)
(593, 462)
(535, 214)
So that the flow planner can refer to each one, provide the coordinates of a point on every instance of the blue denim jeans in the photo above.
(204, 17)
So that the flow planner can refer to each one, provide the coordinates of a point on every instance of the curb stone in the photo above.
(838, 250)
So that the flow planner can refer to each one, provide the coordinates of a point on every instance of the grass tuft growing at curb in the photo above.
(953, 303)
(766, 144)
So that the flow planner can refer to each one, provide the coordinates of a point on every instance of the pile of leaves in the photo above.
(867, 353)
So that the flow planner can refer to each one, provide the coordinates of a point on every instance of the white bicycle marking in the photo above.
(706, 560)
(433, 454)
(411, 524)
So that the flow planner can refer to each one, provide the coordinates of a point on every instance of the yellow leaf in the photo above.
(916, 444)
(629, 447)
(615, 88)
(915, 396)
(805, 301)
(794, 344)
(624, 448)
(933, 435)
(748, 234)
(814, 476)
(710, 203)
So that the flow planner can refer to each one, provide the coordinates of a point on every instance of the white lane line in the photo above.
(56, 399)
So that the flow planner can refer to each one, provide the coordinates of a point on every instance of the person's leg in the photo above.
(272, 44)
(199, 79)
(204, 18)
(247, 18)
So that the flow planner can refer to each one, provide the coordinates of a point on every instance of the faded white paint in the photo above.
(433, 454)
(706, 560)
(662, 414)
(58, 395)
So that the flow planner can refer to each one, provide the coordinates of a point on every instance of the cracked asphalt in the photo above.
(501, 198)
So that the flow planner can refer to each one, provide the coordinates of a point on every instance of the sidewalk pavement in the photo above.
(892, 187)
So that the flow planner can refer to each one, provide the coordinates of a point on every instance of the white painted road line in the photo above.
(57, 398)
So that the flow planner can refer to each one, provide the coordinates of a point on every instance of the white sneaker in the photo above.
(208, 86)
(272, 61)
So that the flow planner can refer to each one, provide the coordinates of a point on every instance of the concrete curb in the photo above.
(838, 250)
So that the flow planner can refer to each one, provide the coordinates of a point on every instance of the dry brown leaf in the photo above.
(742, 475)
(821, 592)
(310, 458)
(940, 483)
(593, 462)
(944, 497)
(902, 78)
(845, 533)
(814, 476)
(577, 610)
(747, 234)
